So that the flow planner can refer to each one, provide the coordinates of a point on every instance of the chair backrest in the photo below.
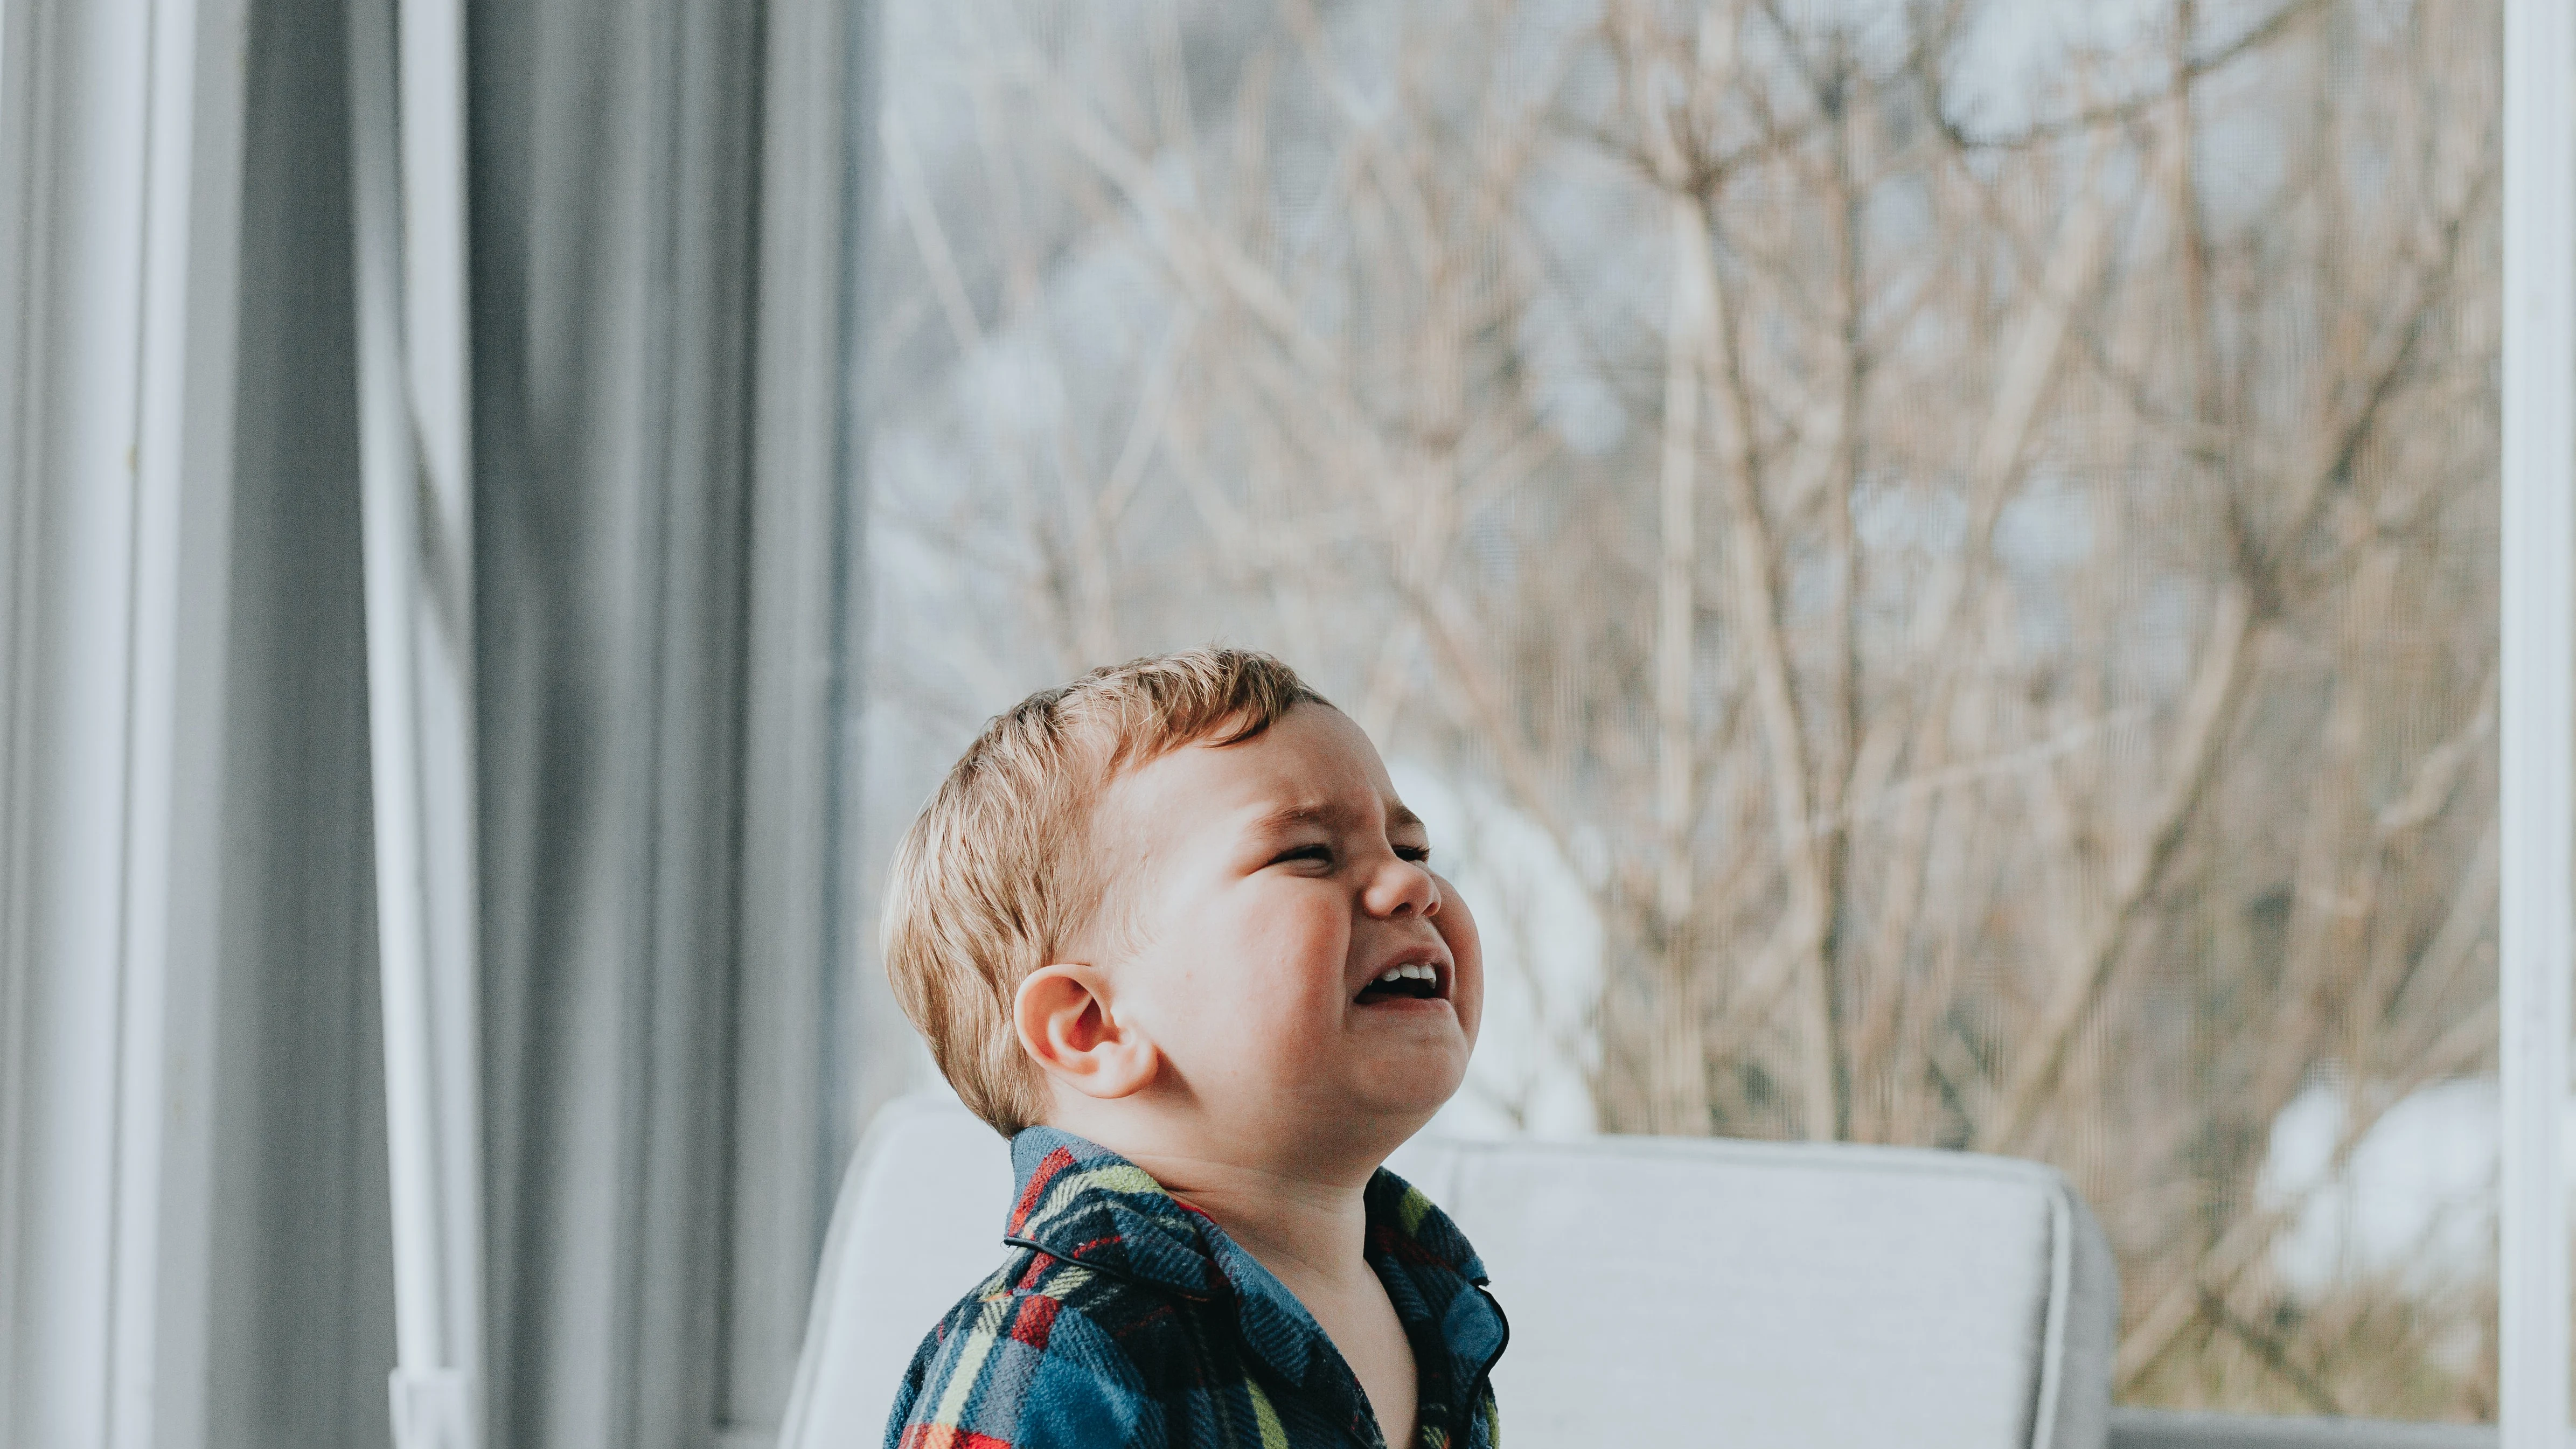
(1660, 1290)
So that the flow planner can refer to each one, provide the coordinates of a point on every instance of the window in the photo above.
(1935, 567)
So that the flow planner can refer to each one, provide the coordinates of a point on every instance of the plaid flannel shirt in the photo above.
(1127, 1317)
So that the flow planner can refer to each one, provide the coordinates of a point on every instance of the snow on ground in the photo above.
(2416, 1198)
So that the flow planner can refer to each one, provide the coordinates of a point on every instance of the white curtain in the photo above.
(195, 1211)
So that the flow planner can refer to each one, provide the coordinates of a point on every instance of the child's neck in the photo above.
(1302, 1214)
(1296, 1203)
(1311, 1232)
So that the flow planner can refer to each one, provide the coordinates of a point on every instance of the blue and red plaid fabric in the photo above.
(1126, 1317)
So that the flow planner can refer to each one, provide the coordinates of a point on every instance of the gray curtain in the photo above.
(663, 197)
(655, 1057)
(613, 156)
(302, 1297)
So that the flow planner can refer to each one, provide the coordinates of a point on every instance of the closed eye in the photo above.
(1415, 853)
(1318, 851)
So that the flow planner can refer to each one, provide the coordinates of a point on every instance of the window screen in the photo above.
(1931, 567)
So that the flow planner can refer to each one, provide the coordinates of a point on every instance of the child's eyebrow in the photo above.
(1329, 817)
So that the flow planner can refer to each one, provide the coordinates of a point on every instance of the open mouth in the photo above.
(1409, 981)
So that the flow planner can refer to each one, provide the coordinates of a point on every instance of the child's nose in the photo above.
(1403, 887)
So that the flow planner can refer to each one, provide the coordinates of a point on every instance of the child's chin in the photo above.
(1419, 1091)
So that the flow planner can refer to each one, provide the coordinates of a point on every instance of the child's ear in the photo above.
(1064, 1021)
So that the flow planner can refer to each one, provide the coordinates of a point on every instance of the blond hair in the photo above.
(992, 881)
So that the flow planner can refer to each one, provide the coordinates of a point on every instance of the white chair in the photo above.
(1660, 1290)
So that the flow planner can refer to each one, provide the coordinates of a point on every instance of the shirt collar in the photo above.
(1085, 1204)
(1082, 1203)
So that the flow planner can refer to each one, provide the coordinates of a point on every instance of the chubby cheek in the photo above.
(1265, 990)
(1295, 939)
(1457, 927)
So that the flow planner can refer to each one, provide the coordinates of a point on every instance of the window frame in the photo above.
(2536, 917)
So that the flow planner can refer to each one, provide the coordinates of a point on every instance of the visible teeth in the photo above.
(1411, 971)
